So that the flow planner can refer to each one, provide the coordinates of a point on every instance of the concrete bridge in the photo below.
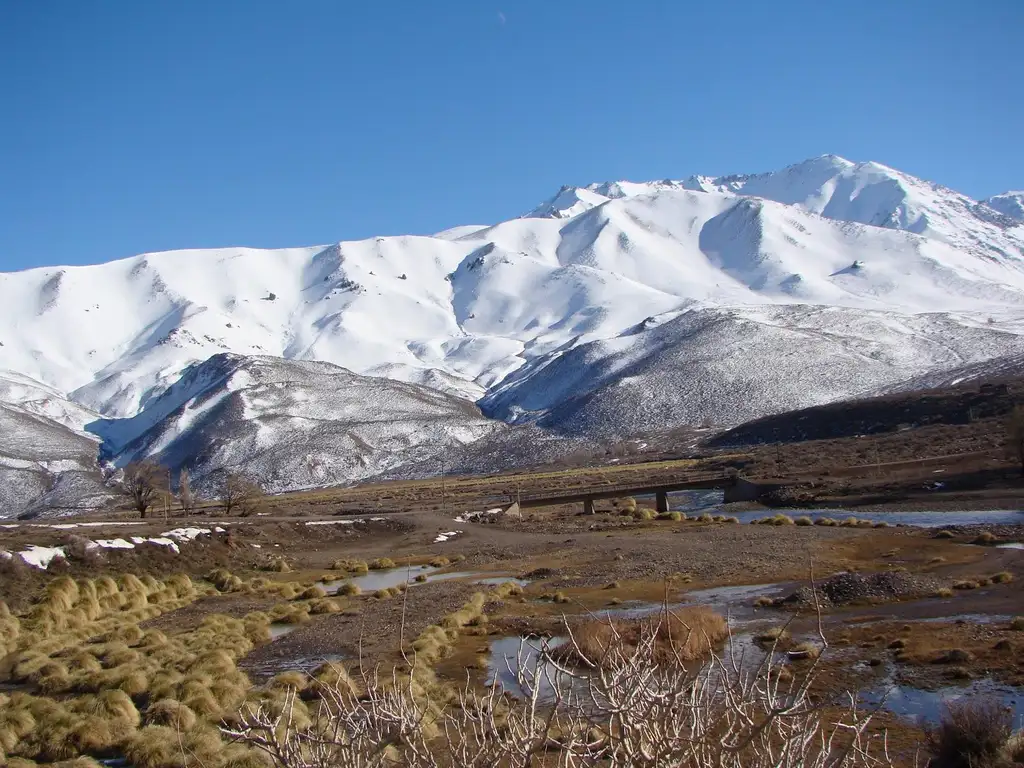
(735, 489)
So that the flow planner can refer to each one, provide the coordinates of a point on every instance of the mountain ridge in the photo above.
(618, 307)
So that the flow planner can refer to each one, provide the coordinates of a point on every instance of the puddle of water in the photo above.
(741, 595)
(477, 577)
(636, 609)
(508, 654)
(374, 580)
(495, 581)
(305, 664)
(1011, 545)
(970, 618)
(280, 630)
(394, 577)
(929, 706)
(919, 519)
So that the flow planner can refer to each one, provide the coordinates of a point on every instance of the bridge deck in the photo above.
(619, 491)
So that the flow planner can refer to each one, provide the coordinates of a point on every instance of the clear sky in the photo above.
(129, 126)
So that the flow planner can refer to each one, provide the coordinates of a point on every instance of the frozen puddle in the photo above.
(1011, 545)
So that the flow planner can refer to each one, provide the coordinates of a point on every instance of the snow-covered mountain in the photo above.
(1009, 204)
(610, 308)
(291, 424)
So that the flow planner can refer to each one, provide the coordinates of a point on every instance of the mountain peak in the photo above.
(1010, 203)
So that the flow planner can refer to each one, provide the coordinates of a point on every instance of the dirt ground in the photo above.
(578, 565)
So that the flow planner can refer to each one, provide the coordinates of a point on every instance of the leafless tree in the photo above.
(1015, 435)
(143, 483)
(239, 495)
(186, 498)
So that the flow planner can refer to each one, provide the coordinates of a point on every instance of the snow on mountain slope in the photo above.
(45, 465)
(614, 307)
(865, 193)
(290, 424)
(1009, 204)
(38, 398)
(466, 312)
(720, 366)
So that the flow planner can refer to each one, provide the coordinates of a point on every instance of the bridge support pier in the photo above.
(588, 506)
(661, 499)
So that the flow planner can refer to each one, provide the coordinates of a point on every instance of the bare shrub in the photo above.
(971, 734)
(143, 482)
(633, 711)
(239, 495)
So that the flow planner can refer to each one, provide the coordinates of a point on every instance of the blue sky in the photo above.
(141, 126)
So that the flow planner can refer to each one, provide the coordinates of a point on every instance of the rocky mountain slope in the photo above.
(610, 309)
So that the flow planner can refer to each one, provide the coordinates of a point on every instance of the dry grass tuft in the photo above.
(291, 679)
(1017, 623)
(964, 584)
(804, 520)
(350, 566)
(348, 589)
(772, 635)
(827, 522)
(323, 606)
(440, 561)
(312, 593)
(681, 636)
(382, 564)
(1003, 577)
(985, 538)
(944, 592)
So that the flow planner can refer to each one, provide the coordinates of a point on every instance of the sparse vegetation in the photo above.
(971, 734)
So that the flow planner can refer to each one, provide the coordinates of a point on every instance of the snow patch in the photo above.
(472, 517)
(446, 536)
(185, 534)
(41, 557)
